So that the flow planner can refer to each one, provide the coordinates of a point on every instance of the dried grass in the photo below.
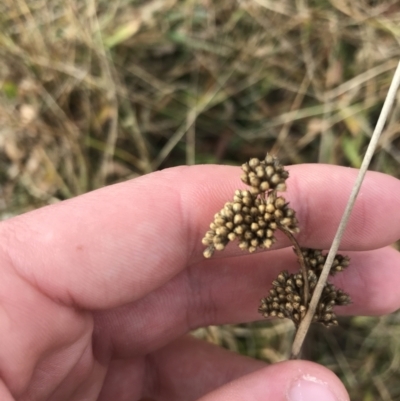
(94, 92)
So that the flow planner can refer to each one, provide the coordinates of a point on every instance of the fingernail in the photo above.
(310, 388)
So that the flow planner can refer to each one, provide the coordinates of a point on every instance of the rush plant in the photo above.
(254, 216)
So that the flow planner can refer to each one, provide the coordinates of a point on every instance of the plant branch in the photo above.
(302, 262)
(305, 324)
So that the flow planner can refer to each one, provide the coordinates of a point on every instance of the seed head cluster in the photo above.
(264, 175)
(252, 218)
(255, 214)
(286, 299)
(316, 260)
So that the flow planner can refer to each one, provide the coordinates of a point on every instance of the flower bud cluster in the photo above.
(330, 297)
(264, 175)
(250, 219)
(255, 214)
(315, 260)
(286, 299)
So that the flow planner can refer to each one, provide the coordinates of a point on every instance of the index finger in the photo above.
(116, 244)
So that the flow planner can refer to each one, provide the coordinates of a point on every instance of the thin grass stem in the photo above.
(305, 324)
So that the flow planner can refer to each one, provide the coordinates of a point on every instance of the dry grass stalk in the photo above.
(305, 324)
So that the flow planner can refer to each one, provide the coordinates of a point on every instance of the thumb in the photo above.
(285, 381)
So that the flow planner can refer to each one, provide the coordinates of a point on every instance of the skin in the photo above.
(98, 292)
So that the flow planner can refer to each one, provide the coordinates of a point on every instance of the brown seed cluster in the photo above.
(286, 299)
(264, 175)
(255, 214)
(252, 218)
(316, 260)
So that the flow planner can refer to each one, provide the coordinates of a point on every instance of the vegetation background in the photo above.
(94, 92)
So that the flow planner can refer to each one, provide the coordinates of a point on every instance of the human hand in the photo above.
(97, 292)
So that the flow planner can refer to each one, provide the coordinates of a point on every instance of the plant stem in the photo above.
(302, 262)
(305, 323)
